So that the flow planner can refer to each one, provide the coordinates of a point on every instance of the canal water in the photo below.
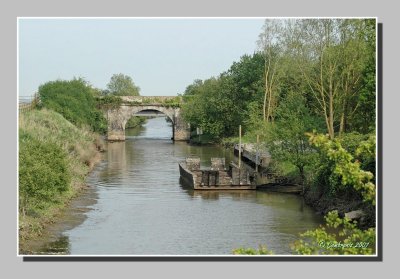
(140, 208)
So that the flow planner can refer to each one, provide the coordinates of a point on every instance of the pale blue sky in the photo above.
(162, 56)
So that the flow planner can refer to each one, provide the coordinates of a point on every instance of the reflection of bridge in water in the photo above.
(147, 106)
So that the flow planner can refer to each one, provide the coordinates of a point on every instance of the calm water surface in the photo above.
(141, 208)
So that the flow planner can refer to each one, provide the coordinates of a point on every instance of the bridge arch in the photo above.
(118, 117)
(167, 112)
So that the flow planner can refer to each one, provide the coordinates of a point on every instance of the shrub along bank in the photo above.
(54, 157)
(76, 101)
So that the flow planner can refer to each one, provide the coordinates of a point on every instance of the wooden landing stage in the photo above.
(215, 178)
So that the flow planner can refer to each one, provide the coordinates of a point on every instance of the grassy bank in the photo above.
(54, 157)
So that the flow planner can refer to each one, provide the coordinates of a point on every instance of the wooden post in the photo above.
(240, 151)
(257, 152)
(240, 144)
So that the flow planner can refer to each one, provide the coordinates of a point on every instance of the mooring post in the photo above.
(240, 143)
(240, 149)
(257, 152)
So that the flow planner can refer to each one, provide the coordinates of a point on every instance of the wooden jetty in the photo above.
(252, 155)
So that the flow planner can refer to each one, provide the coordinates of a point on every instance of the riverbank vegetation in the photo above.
(54, 157)
(59, 142)
(75, 100)
(309, 77)
(135, 121)
(341, 235)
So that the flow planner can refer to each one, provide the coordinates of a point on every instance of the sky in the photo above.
(162, 55)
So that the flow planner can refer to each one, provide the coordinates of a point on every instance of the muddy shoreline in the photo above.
(52, 241)
(67, 216)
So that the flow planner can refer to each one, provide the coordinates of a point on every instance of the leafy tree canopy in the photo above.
(122, 85)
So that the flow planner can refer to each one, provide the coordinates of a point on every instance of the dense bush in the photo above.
(43, 173)
(328, 182)
(75, 101)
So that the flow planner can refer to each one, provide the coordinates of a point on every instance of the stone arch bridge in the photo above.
(146, 105)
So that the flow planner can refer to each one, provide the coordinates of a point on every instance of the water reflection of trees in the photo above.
(132, 132)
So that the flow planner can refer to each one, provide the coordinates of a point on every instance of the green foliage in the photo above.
(248, 79)
(310, 75)
(122, 85)
(336, 81)
(202, 139)
(363, 120)
(366, 154)
(262, 250)
(286, 139)
(174, 102)
(75, 101)
(43, 173)
(220, 105)
(108, 102)
(254, 121)
(340, 236)
(209, 109)
(54, 156)
(135, 122)
(344, 167)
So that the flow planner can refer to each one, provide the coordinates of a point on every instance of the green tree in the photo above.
(210, 107)
(357, 52)
(313, 42)
(220, 105)
(270, 43)
(332, 56)
(362, 119)
(247, 91)
(287, 139)
(122, 85)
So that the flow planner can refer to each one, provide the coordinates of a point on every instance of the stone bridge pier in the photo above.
(117, 119)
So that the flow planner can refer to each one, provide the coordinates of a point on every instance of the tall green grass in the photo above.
(54, 157)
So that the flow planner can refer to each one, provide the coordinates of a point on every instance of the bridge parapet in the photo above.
(152, 100)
